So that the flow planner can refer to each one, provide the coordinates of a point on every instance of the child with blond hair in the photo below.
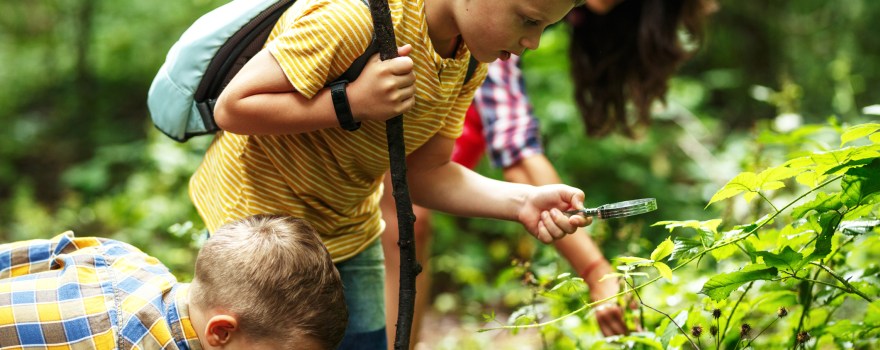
(262, 282)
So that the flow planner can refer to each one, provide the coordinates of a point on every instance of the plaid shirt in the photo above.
(89, 293)
(509, 124)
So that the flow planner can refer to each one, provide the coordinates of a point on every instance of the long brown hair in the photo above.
(629, 54)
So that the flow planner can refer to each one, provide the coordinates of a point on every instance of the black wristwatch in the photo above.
(340, 104)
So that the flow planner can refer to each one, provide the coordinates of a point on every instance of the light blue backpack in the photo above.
(206, 57)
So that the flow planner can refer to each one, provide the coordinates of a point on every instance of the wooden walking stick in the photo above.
(409, 267)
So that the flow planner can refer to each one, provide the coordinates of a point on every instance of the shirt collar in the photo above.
(178, 319)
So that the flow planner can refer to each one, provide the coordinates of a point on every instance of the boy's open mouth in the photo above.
(505, 55)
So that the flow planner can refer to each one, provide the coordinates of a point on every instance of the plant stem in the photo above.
(679, 266)
(768, 201)
(762, 331)
(683, 331)
(850, 287)
(733, 311)
(806, 304)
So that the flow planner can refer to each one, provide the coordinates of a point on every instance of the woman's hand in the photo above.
(609, 315)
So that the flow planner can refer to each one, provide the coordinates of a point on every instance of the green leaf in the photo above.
(858, 227)
(746, 181)
(720, 286)
(822, 203)
(633, 260)
(724, 252)
(872, 316)
(708, 225)
(828, 222)
(771, 176)
(841, 160)
(685, 248)
(787, 258)
(859, 183)
(671, 330)
(857, 132)
(663, 250)
(664, 270)
(653, 344)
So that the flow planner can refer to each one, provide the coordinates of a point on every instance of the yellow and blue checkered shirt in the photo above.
(90, 293)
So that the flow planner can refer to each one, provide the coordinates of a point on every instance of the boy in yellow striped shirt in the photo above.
(286, 149)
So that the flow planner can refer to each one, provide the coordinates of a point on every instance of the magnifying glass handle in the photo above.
(585, 212)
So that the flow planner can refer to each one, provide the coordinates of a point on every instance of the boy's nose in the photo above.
(531, 42)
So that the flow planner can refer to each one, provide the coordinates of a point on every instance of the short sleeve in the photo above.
(455, 122)
(314, 42)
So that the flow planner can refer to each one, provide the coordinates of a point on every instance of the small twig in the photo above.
(733, 311)
(762, 331)
(768, 201)
(850, 287)
(641, 302)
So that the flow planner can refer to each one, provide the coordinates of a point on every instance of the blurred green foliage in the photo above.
(77, 150)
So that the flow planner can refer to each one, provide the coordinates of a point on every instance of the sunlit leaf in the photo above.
(708, 225)
(720, 286)
(663, 250)
(776, 174)
(610, 275)
(822, 203)
(841, 160)
(858, 227)
(663, 270)
(724, 252)
(633, 260)
(746, 181)
(810, 178)
(685, 248)
(857, 132)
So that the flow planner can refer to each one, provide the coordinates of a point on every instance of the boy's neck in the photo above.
(442, 28)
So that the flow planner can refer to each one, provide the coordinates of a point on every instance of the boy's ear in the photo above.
(220, 328)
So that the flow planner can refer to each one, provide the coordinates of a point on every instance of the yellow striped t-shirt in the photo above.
(332, 177)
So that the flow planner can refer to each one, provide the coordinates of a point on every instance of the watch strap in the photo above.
(341, 106)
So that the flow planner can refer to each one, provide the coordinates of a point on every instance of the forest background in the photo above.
(78, 152)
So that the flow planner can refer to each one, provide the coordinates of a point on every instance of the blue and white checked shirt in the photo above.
(90, 293)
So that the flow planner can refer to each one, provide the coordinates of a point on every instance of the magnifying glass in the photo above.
(619, 209)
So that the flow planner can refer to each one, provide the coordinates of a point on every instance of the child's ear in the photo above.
(220, 329)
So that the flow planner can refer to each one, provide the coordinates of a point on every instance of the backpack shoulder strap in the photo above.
(472, 67)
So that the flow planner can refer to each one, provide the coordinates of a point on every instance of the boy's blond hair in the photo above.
(275, 276)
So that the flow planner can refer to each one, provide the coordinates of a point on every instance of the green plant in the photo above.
(798, 273)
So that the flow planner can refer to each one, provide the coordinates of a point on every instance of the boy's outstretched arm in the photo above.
(439, 184)
(260, 100)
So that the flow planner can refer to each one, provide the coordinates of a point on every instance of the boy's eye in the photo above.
(529, 21)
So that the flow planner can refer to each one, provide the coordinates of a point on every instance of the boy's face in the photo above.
(495, 29)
